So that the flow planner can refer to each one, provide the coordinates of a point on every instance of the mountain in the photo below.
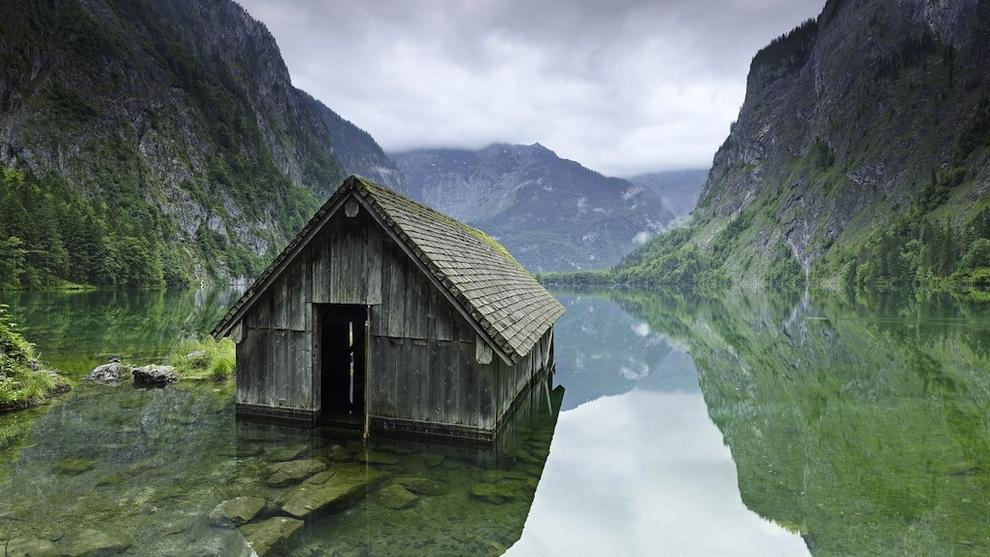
(145, 142)
(679, 189)
(553, 214)
(860, 157)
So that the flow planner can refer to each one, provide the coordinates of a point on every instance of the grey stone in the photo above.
(154, 376)
(109, 374)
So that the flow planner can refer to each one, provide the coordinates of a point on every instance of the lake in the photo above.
(771, 424)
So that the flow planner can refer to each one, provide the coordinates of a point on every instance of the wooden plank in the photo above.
(320, 265)
(396, 302)
(373, 264)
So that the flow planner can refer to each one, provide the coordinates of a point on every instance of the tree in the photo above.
(11, 261)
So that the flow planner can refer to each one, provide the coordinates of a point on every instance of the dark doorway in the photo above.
(342, 357)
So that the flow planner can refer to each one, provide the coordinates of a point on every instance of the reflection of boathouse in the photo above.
(387, 315)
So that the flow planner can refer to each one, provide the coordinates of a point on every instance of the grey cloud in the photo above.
(623, 86)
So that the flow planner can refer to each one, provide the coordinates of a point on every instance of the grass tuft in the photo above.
(205, 358)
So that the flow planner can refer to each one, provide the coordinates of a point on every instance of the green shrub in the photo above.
(24, 382)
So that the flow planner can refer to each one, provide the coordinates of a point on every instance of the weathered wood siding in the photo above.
(425, 364)
(512, 379)
(280, 348)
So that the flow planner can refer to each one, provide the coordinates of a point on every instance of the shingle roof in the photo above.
(498, 294)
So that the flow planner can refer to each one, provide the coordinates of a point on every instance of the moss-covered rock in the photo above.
(346, 485)
(263, 536)
(495, 493)
(29, 547)
(422, 486)
(237, 510)
(293, 471)
(90, 543)
(397, 497)
(73, 466)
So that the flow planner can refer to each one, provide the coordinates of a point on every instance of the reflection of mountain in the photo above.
(601, 350)
(865, 428)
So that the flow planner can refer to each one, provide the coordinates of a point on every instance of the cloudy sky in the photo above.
(623, 86)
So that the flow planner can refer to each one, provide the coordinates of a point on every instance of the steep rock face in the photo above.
(177, 122)
(848, 121)
(552, 214)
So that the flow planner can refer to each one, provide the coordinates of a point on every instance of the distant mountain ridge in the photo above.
(157, 142)
(553, 214)
(861, 156)
(679, 189)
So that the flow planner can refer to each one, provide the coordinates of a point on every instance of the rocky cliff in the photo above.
(157, 141)
(859, 155)
(552, 214)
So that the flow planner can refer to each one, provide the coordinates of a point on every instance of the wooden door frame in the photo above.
(318, 310)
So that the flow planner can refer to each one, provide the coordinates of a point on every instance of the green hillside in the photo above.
(148, 143)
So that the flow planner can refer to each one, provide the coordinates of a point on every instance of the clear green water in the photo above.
(759, 425)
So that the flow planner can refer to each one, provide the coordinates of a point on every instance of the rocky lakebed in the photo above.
(172, 472)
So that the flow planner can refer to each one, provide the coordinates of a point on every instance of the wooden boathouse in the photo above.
(388, 316)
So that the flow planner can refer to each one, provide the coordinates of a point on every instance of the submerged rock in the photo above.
(397, 497)
(377, 457)
(29, 547)
(263, 536)
(345, 486)
(493, 493)
(73, 466)
(422, 486)
(110, 373)
(238, 510)
(154, 376)
(293, 471)
(90, 543)
(288, 453)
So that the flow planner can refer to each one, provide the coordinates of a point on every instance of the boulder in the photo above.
(110, 373)
(345, 486)
(90, 543)
(154, 376)
(396, 497)
(293, 471)
(29, 547)
(263, 536)
(237, 510)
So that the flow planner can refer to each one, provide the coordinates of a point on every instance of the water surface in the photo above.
(756, 425)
